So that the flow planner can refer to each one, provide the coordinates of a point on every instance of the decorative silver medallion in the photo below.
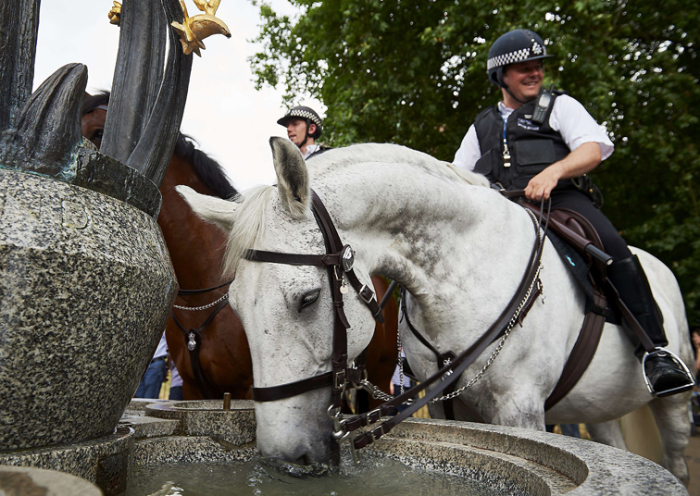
(347, 258)
(191, 344)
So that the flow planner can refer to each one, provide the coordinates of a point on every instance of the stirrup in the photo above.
(679, 362)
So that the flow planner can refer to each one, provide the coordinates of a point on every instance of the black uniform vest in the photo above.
(533, 147)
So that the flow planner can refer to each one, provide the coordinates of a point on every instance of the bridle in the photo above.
(338, 260)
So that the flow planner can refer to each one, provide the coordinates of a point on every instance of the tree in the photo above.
(413, 72)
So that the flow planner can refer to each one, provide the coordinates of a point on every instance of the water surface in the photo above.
(372, 477)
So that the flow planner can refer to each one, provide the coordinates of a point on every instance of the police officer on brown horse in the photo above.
(544, 142)
(304, 127)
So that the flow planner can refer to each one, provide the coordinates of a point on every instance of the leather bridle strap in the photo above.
(187, 292)
(332, 260)
(193, 342)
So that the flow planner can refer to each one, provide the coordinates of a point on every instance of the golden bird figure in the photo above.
(115, 14)
(193, 30)
(208, 6)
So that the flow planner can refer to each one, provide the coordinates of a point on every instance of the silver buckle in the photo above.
(377, 436)
(370, 414)
(337, 378)
(368, 301)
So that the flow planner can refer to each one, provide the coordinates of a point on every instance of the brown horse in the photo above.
(196, 249)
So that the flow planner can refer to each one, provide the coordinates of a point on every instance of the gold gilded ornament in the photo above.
(208, 6)
(193, 30)
(115, 14)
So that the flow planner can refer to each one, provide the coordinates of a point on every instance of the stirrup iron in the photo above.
(679, 362)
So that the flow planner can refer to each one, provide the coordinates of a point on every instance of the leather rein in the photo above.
(338, 261)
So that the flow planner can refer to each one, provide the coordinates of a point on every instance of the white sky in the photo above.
(229, 119)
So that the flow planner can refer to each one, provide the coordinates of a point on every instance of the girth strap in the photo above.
(582, 352)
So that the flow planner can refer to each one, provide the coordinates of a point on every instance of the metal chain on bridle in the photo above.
(203, 307)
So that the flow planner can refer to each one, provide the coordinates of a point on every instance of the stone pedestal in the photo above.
(86, 285)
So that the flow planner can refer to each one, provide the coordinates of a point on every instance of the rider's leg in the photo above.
(628, 277)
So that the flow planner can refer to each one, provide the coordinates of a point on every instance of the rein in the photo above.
(453, 369)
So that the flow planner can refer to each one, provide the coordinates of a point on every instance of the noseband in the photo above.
(338, 260)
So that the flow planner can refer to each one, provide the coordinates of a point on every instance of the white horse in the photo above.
(461, 250)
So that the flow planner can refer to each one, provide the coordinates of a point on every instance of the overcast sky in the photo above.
(230, 120)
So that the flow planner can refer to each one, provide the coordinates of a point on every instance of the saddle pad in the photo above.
(577, 265)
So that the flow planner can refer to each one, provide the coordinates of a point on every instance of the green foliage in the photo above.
(413, 72)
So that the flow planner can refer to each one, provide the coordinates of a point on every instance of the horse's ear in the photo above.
(292, 177)
(210, 208)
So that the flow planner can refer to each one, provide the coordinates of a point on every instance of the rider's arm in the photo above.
(582, 160)
(582, 134)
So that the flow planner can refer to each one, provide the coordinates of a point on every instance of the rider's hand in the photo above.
(543, 183)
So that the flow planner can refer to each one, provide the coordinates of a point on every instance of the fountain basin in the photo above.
(507, 460)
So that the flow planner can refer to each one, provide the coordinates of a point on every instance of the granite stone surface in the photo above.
(85, 292)
(208, 418)
(82, 459)
(504, 454)
(36, 481)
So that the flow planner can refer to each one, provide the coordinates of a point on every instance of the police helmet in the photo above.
(306, 113)
(515, 46)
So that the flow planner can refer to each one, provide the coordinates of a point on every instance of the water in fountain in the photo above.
(370, 477)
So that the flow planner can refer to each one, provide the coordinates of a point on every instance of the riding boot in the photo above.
(663, 370)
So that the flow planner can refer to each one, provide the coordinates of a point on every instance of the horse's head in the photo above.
(94, 116)
(287, 310)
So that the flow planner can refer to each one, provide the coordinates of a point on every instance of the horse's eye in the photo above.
(309, 298)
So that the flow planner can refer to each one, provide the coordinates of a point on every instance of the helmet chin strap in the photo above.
(515, 97)
(306, 134)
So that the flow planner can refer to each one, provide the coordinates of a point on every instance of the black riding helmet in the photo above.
(515, 46)
(306, 113)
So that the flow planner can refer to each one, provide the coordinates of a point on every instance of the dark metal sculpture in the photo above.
(41, 132)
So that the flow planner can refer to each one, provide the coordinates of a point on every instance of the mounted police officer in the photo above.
(544, 142)
(304, 127)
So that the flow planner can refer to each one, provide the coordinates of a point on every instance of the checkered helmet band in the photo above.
(305, 114)
(536, 50)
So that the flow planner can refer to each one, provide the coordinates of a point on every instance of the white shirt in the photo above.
(162, 349)
(309, 150)
(568, 116)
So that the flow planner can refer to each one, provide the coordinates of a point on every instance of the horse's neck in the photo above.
(196, 247)
(456, 247)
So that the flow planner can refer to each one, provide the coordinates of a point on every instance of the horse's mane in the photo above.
(209, 170)
(250, 220)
